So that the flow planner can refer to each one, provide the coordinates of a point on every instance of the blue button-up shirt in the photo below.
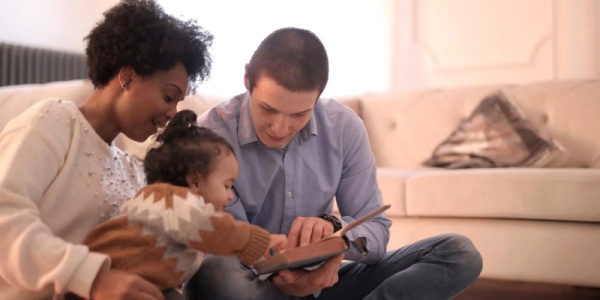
(330, 158)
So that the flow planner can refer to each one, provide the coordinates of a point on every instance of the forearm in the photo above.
(368, 241)
(230, 237)
(180, 216)
(33, 258)
(358, 194)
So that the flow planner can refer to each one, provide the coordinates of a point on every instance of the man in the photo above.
(296, 153)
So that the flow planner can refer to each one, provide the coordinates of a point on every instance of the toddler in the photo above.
(162, 232)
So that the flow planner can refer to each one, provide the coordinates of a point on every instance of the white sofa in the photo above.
(530, 224)
(536, 225)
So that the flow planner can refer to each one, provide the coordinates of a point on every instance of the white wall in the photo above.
(55, 24)
(356, 34)
(374, 45)
(444, 43)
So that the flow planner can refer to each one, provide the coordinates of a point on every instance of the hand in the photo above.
(307, 230)
(301, 283)
(121, 285)
(276, 242)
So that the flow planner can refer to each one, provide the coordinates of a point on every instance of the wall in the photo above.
(355, 32)
(54, 24)
(441, 43)
(415, 43)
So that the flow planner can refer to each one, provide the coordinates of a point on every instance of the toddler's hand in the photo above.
(276, 242)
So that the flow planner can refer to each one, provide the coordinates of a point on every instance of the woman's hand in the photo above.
(114, 284)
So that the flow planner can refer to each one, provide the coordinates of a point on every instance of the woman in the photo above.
(61, 174)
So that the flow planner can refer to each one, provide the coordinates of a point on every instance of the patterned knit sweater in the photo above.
(161, 233)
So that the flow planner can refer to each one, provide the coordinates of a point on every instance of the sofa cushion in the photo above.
(509, 193)
(392, 183)
(496, 134)
(16, 99)
(405, 126)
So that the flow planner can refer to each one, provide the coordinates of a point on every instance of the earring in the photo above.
(125, 84)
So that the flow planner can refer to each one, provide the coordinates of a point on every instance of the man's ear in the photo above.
(247, 77)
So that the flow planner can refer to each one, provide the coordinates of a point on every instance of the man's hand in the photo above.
(302, 283)
(121, 285)
(307, 230)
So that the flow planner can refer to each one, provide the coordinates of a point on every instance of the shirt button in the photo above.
(289, 194)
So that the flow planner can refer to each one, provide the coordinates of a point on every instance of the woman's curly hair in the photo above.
(181, 148)
(139, 34)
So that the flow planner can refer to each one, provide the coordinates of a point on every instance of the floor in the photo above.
(488, 289)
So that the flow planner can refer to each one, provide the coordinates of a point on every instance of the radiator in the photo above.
(22, 65)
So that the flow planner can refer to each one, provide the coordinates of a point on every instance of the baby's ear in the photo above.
(192, 181)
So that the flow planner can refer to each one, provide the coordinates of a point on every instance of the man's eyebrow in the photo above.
(265, 104)
(304, 111)
(296, 113)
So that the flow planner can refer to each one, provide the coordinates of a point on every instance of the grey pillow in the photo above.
(495, 135)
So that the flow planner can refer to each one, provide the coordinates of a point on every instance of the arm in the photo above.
(181, 215)
(356, 191)
(33, 257)
(358, 194)
(230, 237)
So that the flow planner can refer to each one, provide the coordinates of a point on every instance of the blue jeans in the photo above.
(439, 267)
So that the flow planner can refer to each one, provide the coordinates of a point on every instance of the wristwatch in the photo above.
(337, 224)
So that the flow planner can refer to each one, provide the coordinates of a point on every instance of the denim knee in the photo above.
(227, 278)
(211, 274)
(467, 256)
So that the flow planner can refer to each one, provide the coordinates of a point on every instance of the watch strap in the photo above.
(337, 224)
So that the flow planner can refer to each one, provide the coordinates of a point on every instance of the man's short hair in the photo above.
(295, 58)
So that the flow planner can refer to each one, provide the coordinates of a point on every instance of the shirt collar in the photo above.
(247, 133)
(310, 128)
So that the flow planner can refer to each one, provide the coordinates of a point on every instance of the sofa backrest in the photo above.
(16, 99)
(405, 127)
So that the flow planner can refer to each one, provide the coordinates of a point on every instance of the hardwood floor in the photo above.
(489, 289)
